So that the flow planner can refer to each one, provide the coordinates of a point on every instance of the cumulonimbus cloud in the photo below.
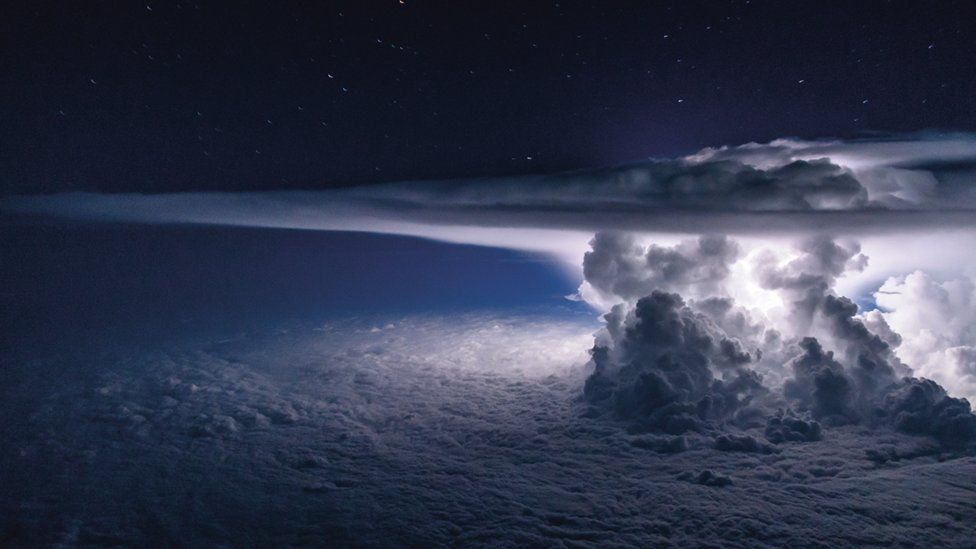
(677, 353)
(677, 365)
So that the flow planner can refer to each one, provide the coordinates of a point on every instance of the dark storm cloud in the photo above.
(871, 387)
(659, 371)
(618, 266)
(677, 366)
(783, 186)
(820, 384)
(789, 428)
(921, 406)
(807, 282)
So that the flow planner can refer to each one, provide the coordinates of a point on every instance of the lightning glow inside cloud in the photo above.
(905, 204)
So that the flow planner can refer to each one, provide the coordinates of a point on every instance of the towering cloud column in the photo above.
(678, 354)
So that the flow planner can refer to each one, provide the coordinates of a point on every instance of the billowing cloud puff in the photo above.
(618, 266)
(662, 367)
(922, 406)
(675, 366)
(939, 322)
(819, 383)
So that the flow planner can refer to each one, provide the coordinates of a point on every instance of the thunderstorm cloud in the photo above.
(778, 350)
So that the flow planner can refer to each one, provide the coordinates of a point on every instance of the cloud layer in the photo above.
(433, 431)
(914, 182)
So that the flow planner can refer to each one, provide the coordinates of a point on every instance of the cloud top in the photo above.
(783, 186)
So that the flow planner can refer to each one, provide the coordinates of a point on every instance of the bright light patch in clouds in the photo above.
(939, 320)
(529, 346)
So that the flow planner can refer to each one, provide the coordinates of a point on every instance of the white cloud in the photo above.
(937, 321)
(868, 187)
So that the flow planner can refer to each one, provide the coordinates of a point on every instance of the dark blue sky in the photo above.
(163, 96)
(62, 281)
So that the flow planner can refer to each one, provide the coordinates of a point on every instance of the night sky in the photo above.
(168, 96)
